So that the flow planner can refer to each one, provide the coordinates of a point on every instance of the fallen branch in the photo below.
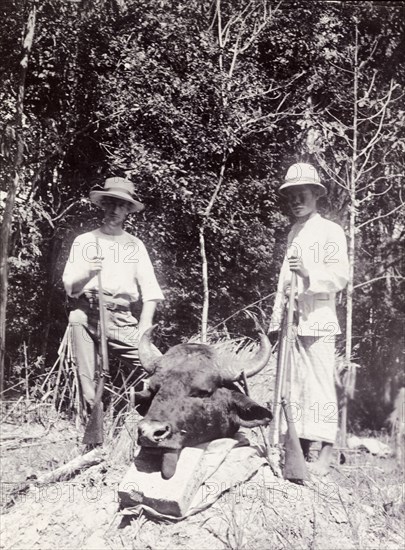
(72, 467)
(19, 446)
(77, 464)
(19, 439)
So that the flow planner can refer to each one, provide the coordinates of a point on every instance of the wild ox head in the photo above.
(191, 397)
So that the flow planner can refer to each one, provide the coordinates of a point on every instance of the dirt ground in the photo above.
(359, 505)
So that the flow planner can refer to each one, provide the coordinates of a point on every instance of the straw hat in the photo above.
(118, 188)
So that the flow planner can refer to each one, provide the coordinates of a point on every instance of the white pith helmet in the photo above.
(302, 174)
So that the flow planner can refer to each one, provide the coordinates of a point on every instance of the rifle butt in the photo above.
(295, 467)
(93, 434)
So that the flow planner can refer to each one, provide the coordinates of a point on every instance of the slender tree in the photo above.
(354, 139)
(14, 181)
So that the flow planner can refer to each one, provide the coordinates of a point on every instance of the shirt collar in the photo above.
(315, 217)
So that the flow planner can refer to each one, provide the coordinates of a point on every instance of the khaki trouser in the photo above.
(122, 339)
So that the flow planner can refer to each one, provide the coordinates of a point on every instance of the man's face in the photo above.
(302, 200)
(115, 211)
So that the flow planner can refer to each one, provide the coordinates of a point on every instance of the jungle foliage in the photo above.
(173, 94)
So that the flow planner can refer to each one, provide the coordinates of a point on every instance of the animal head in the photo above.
(192, 398)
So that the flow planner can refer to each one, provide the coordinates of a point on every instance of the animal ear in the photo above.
(143, 400)
(250, 413)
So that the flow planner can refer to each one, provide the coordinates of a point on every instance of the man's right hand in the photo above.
(96, 265)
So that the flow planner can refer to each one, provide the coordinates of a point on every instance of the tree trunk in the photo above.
(13, 187)
(206, 292)
(351, 244)
(204, 262)
(349, 321)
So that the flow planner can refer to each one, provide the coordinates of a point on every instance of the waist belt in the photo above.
(91, 303)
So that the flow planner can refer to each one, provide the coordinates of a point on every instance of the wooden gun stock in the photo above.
(93, 434)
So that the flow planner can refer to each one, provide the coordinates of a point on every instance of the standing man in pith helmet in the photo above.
(127, 276)
(317, 253)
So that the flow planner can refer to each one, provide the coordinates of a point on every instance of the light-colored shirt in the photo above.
(127, 270)
(322, 245)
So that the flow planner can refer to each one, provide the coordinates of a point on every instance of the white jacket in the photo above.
(323, 248)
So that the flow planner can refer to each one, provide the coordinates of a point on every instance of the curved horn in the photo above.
(148, 353)
(261, 357)
(251, 365)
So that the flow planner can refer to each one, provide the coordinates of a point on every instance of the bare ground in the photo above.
(359, 505)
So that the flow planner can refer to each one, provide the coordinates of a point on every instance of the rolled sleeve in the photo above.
(146, 278)
(76, 268)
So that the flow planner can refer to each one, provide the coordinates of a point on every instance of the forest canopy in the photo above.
(203, 100)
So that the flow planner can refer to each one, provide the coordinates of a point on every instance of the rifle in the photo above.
(294, 463)
(93, 434)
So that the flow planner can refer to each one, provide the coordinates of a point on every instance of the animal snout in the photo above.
(153, 432)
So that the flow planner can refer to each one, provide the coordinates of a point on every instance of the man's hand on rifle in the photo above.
(95, 265)
(297, 265)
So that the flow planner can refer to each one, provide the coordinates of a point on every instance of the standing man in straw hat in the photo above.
(317, 253)
(127, 276)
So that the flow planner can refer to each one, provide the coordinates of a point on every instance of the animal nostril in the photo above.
(161, 433)
(153, 431)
